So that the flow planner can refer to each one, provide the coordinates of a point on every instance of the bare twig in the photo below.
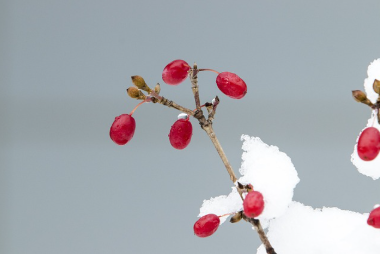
(207, 126)
(172, 104)
(256, 223)
(193, 74)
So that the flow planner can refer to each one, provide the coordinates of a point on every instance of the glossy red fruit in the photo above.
(374, 218)
(180, 133)
(253, 204)
(175, 72)
(206, 225)
(231, 85)
(122, 129)
(369, 144)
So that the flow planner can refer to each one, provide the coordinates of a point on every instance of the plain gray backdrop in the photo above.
(65, 187)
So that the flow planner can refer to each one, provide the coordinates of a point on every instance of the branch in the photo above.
(193, 73)
(172, 104)
(259, 229)
(207, 126)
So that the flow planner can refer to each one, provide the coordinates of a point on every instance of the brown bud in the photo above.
(157, 89)
(376, 86)
(249, 187)
(241, 186)
(236, 218)
(135, 93)
(140, 83)
(359, 96)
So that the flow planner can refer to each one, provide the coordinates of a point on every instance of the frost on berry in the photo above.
(122, 129)
(180, 133)
(374, 218)
(175, 72)
(206, 225)
(231, 85)
(253, 204)
(369, 144)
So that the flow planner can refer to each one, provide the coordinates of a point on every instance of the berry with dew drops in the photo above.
(231, 85)
(369, 144)
(122, 129)
(180, 133)
(374, 218)
(175, 72)
(253, 204)
(206, 225)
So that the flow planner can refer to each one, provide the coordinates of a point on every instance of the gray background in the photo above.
(65, 187)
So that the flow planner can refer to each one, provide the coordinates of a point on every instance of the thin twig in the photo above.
(259, 229)
(207, 126)
(193, 74)
(172, 104)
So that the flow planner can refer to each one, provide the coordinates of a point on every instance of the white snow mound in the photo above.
(303, 229)
(270, 171)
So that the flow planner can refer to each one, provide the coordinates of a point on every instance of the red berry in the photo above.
(180, 133)
(122, 129)
(253, 204)
(206, 225)
(369, 144)
(175, 72)
(231, 85)
(374, 218)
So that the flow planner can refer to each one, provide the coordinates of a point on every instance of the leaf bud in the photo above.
(135, 93)
(359, 96)
(139, 82)
(376, 86)
(237, 217)
(157, 88)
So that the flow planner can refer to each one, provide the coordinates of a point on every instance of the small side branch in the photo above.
(193, 73)
(172, 104)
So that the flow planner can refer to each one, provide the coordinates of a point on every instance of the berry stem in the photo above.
(227, 214)
(138, 105)
(208, 69)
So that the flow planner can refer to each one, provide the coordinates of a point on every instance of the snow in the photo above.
(182, 116)
(270, 171)
(373, 73)
(303, 229)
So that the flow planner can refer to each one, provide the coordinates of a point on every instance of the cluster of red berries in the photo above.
(123, 128)
(229, 83)
(369, 144)
(253, 206)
